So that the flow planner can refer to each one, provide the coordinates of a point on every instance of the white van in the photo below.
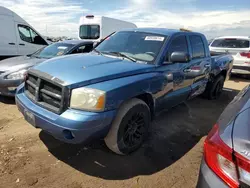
(17, 37)
(96, 28)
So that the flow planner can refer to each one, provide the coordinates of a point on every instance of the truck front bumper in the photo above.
(72, 126)
(8, 87)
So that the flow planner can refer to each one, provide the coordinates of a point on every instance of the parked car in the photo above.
(17, 37)
(238, 47)
(226, 158)
(13, 70)
(115, 91)
(95, 28)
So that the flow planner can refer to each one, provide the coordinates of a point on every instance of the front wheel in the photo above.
(129, 128)
(214, 89)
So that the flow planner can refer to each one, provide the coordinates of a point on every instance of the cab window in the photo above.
(29, 35)
(89, 32)
(178, 44)
(197, 45)
(83, 49)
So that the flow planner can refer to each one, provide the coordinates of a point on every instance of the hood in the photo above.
(16, 63)
(85, 69)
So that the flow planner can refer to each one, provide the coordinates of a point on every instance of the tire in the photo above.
(129, 128)
(214, 89)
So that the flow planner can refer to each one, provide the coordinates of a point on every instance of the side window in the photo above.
(197, 45)
(83, 49)
(24, 33)
(178, 44)
(29, 35)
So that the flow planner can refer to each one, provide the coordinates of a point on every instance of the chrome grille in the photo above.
(45, 93)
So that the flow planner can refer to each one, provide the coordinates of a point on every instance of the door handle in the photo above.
(11, 43)
(21, 44)
(187, 70)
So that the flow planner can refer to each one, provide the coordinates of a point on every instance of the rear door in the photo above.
(28, 40)
(200, 65)
(8, 41)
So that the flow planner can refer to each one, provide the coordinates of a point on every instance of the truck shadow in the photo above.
(172, 135)
(7, 100)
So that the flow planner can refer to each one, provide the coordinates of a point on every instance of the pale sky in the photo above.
(211, 17)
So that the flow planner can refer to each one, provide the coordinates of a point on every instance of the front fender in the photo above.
(122, 89)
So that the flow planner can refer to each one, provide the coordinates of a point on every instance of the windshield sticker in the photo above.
(154, 38)
(62, 47)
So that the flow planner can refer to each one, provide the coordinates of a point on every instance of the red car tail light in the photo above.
(245, 54)
(218, 157)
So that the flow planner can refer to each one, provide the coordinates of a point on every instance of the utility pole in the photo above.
(46, 31)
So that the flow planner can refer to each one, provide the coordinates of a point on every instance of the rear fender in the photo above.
(221, 64)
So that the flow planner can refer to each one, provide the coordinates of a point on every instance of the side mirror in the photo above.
(180, 57)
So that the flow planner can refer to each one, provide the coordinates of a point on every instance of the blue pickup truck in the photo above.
(115, 91)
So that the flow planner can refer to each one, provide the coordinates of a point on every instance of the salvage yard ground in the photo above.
(170, 157)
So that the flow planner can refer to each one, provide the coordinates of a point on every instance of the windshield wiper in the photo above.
(97, 51)
(123, 55)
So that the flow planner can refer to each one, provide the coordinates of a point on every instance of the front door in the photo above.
(28, 40)
(177, 85)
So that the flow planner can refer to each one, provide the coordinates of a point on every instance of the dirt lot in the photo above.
(170, 158)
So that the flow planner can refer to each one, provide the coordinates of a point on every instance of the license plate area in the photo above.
(29, 117)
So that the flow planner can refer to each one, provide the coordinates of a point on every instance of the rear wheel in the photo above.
(129, 128)
(214, 89)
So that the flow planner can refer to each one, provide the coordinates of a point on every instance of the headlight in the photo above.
(88, 99)
(17, 75)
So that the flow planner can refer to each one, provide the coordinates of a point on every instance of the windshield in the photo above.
(137, 45)
(53, 50)
(231, 43)
(89, 32)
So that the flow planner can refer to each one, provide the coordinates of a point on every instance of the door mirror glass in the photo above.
(180, 57)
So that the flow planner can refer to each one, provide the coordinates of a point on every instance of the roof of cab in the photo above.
(160, 31)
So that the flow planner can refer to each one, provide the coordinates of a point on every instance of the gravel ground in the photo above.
(169, 158)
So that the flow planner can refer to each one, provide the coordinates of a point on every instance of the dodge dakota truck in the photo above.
(115, 91)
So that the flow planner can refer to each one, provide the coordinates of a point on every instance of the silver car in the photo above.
(13, 70)
(226, 161)
(238, 47)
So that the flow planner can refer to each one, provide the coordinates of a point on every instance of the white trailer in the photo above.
(96, 28)
(17, 37)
